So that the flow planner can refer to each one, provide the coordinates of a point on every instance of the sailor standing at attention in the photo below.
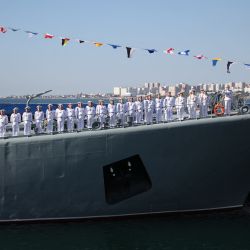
(39, 118)
(121, 110)
(192, 102)
(228, 95)
(151, 107)
(70, 113)
(3, 122)
(90, 112)
(145, 108)
(168, 104)
(131, 108)
(203, 102)
(50, 116)
(158, 108)
(139, 110)
(180, 104)
(27, 119)
(101, 112)
(112, 113)
(15, 119)
(60, 117)
(80, 114)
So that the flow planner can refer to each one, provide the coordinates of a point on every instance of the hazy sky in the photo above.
(214, 28)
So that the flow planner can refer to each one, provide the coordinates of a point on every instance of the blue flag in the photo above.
(114, 46)
(184, 53)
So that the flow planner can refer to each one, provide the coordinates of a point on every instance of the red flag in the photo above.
(200, 57)
(169, 51)
(48, 36)
(2, 29)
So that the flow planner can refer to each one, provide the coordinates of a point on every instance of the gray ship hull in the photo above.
(175, 167)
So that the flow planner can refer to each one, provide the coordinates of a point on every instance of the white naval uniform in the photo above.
(111, 112)
(80, 114)
(180, 104)
(27, 119)
(203, 102)
(121, 109)
(168, 104)
(139, 112)
(3, 122)
(39, 117)
(60, 117)
(50, 116)
(101, 112)
(228, 94)
(145, 106)
(150, 110)
(192, 102)
(90, 112)
(131, 108)
(70, 113)
(158, 109)
(15, 119)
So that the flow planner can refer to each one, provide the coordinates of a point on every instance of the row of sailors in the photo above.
(140, 111)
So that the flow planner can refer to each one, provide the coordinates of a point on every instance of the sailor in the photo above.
(121, 111)
(15, 120)
(168, 104)
(70, 113)
(139, 110)
(112, 113)
(131, 109)
(101, 112)
(90, 112)
(60, 116)
(228, 95)
(192, 102)
(50, 116)
(203, 103)
(27, 119)
(180, 104)
(150, 109)
(158, 108)
(3, 122)
(80, 114)
(39, 118)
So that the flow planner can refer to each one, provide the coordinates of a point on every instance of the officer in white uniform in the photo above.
(60, 116)
(70, 113)
(15, 120)
(203, 103)
(121, 109)
(3, 122)
(27, 119)
(101, 112)
(228, 96)
(139, 110)
(39, 118)
(192, 102)
(131, 108)
(180, 104)
(90, 112)
(50, 116)
(168, 104)
(158, 108)
(80, 114)
(112, 113)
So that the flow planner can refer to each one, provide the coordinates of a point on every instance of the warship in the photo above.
(194, 165)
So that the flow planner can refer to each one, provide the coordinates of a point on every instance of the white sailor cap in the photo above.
(2, 110)
(38, 106)
(60, 105)
(50, 105)
(16, 108)
(89, 101)
(27, 107)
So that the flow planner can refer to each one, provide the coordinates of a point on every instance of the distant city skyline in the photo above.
(212, 28)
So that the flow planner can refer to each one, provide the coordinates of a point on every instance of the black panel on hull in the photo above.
(124, 179)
